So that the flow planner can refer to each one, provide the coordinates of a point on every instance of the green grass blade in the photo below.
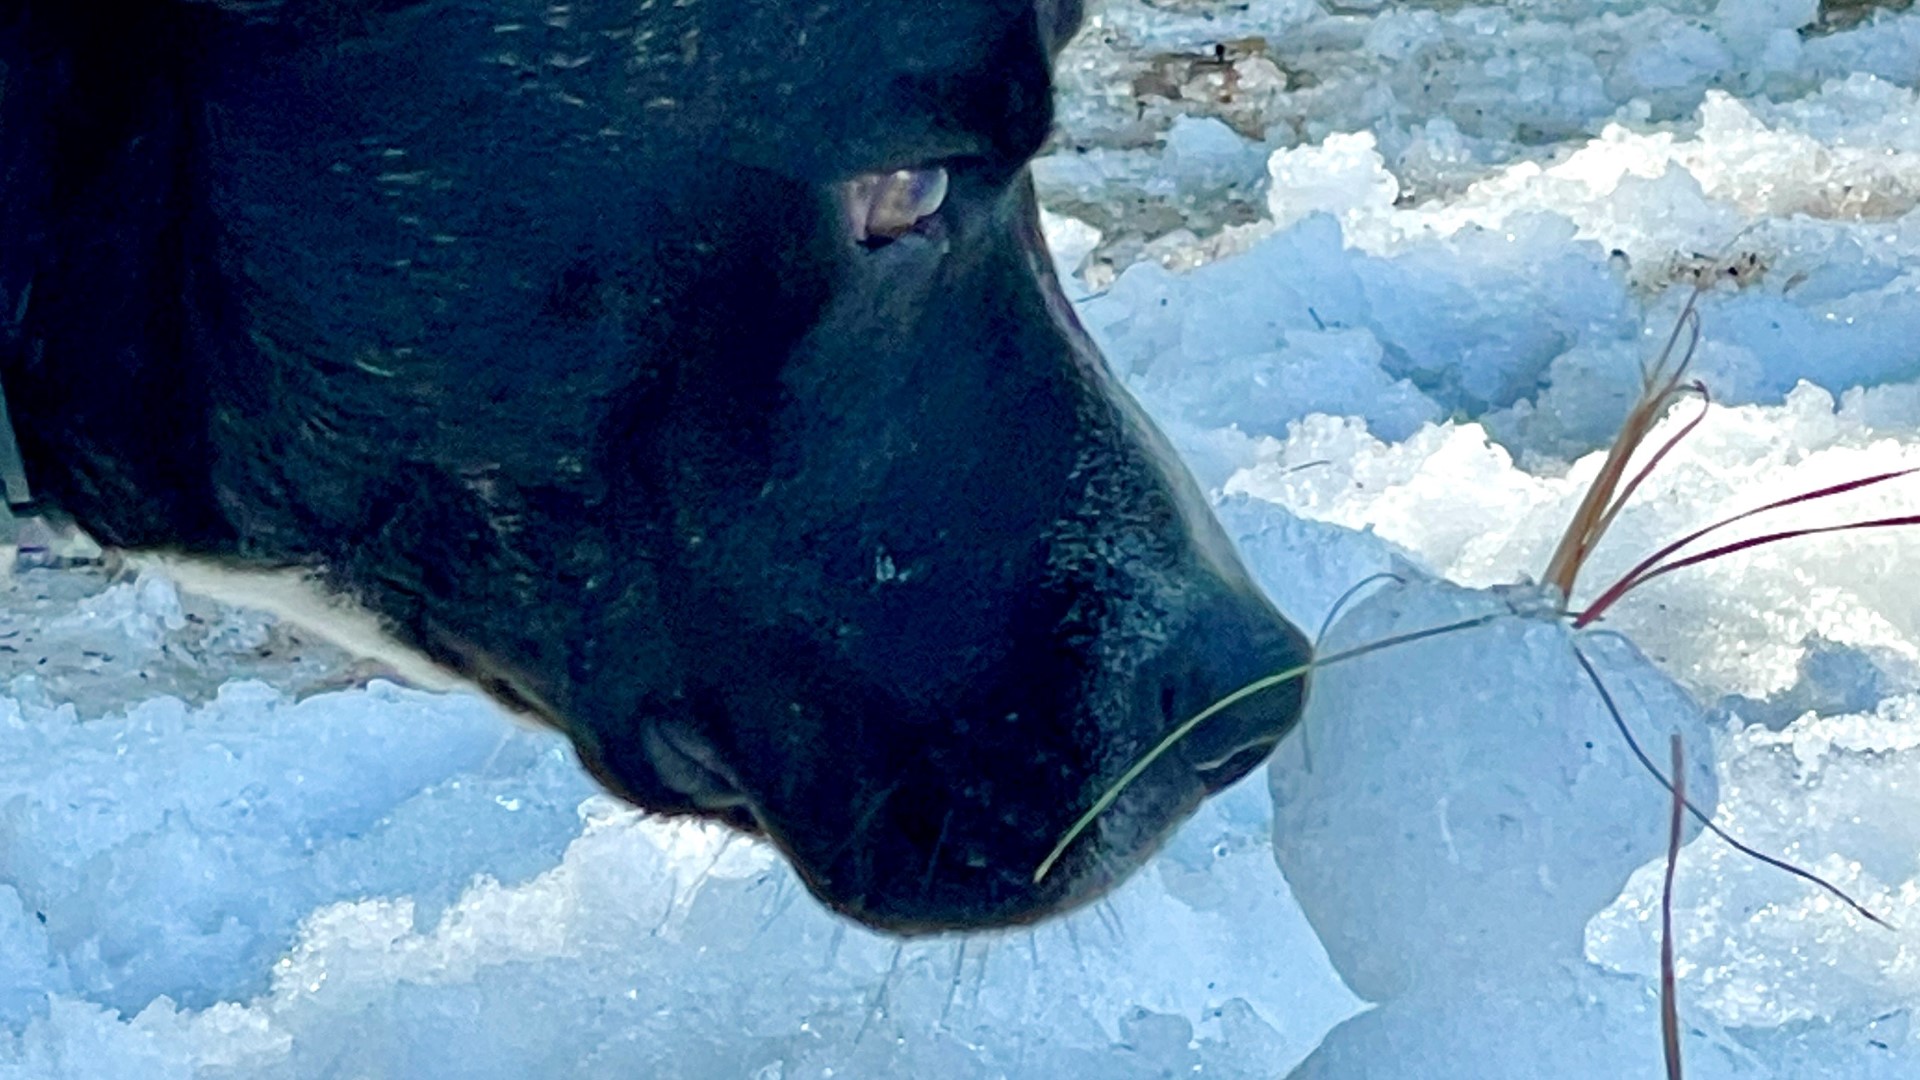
(1258, 686)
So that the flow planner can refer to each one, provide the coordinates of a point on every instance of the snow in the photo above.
(235, 882)
(1387, 274)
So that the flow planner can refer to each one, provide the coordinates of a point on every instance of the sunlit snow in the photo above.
(1387, 274)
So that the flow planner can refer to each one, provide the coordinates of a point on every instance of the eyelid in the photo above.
(886, 206)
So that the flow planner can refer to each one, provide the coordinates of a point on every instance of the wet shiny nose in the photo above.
(1238, 640)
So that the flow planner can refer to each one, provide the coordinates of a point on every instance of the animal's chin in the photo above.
(976, 874)
(1072, 885)
(1055, 897)
(926, 833)
(889, 887)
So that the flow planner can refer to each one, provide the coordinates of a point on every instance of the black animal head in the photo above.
(570, 341)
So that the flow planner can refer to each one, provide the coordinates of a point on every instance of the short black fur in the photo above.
(541, 333)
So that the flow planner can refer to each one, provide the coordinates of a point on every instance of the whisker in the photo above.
(933, 857)
(1257, 686)
(876, 1003)
(784, 894)
(1110, 918)
(953, 984)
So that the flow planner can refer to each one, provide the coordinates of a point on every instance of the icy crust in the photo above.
(1450, 93)
(1844, 153)
(1808, 649)
(382, 882)
(1837, 791)
(1519, 301)
(1810, 989)
(1434, 359)
(95, 640)
(172, 851)
(1301, 324)
(660, 949)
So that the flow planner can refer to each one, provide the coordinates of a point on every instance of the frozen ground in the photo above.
(1387, 273)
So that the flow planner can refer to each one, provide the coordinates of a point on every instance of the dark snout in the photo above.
(947, 835)
(1236, 641)
(692, 375)
(948, 597)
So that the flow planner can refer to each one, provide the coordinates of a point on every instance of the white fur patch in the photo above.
(298, 597)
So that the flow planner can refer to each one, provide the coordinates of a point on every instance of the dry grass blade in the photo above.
(1660, 385)
(1669, 1005)
(1653, 463)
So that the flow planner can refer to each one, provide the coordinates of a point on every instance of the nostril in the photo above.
(1240, 641)
(882, 207)
(1224, 774)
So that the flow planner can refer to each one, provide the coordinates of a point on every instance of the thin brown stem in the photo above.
(1633, 744)
(1653, 463)
(1669, 994)
(1650, 567)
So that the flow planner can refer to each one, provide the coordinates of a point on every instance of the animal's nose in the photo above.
(1236, 640)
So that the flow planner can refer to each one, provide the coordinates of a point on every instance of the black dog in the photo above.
(688, 373)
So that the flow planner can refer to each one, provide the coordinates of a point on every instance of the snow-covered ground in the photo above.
(1387, 274)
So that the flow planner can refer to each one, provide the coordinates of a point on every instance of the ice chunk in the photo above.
(1759, 950)
(1450, 815)
(1070, 240)
(1205, 153)
(1344, 176)
(1482, 773)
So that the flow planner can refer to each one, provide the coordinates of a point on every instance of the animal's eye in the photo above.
(881, 207)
